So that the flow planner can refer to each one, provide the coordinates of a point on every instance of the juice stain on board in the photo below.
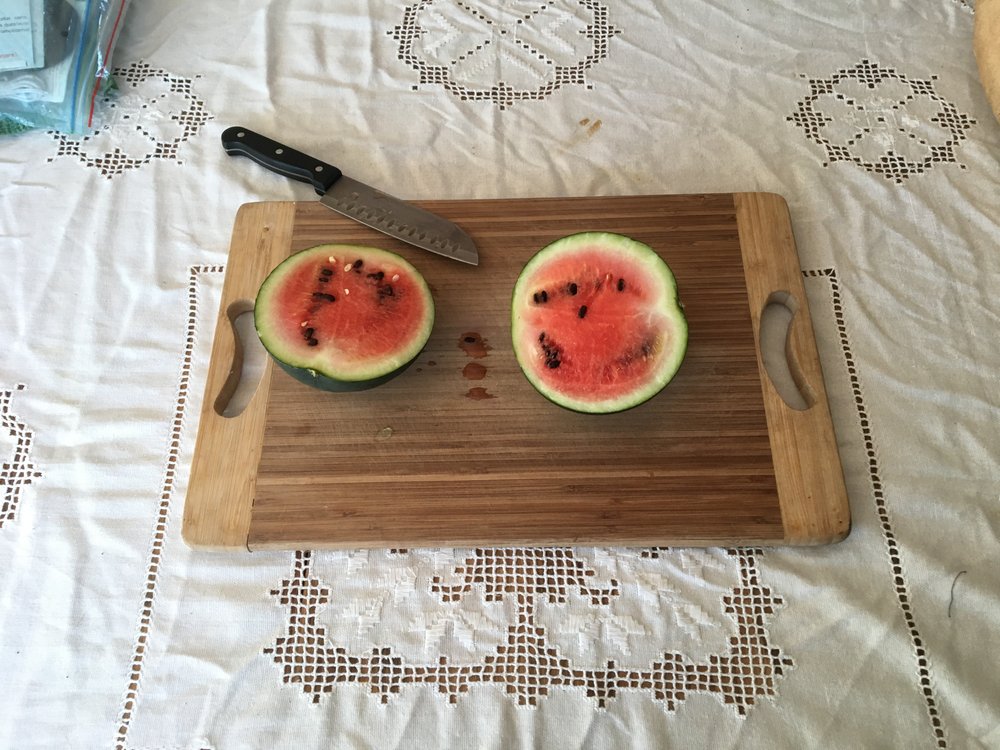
(479, 394)
(474, 371)
(475, 346)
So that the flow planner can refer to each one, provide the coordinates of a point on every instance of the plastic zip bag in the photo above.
(55, 59)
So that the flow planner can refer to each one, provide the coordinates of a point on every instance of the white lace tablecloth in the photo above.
(868, 117)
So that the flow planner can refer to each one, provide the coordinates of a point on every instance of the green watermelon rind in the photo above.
(318, 380)
(328, 379)
(675, 313)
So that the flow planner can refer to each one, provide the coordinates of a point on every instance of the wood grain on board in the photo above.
(460, 449)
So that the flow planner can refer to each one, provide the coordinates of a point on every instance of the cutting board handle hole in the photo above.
(247, 367)
(777, 345)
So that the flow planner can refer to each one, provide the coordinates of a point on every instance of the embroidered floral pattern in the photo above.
(151, 116)
(525, 663)
(17, 470)
(506, 52)
(882, 121)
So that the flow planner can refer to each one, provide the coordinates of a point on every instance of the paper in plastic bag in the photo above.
(55, 60)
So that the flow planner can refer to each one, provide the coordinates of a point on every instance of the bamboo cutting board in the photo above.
(460, 450)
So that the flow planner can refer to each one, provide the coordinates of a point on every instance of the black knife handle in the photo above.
(240, 141)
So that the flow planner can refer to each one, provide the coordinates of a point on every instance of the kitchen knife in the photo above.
(354, 199)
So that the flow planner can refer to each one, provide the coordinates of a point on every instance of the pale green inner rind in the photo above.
(667, 304)
(321, 363)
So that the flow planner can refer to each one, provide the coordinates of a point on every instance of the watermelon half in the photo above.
(596, 323)
(344, 317)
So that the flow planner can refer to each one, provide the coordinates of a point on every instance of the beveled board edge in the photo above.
(217, 509)
(687, 541)
(811, 489)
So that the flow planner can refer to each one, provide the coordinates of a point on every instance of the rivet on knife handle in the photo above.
(280, 158)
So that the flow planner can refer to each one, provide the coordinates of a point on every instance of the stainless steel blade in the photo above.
(400, 219)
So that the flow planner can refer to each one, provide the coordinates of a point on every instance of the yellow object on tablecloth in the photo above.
(987, 47)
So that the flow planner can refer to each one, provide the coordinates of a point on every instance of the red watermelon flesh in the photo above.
(348, 313)
(596, 323)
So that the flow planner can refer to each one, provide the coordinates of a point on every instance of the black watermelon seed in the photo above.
(308, 333)
(313, 342)
(324, 296)
(385, 291)
(470, 339)
(583, 311)
(323, 279)
(378, 275)
(541, 336)
(553, 363)
(621, 285)
(573, 289)
(545, 296)
(358, 263)
(326, 272)
(536, 298)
